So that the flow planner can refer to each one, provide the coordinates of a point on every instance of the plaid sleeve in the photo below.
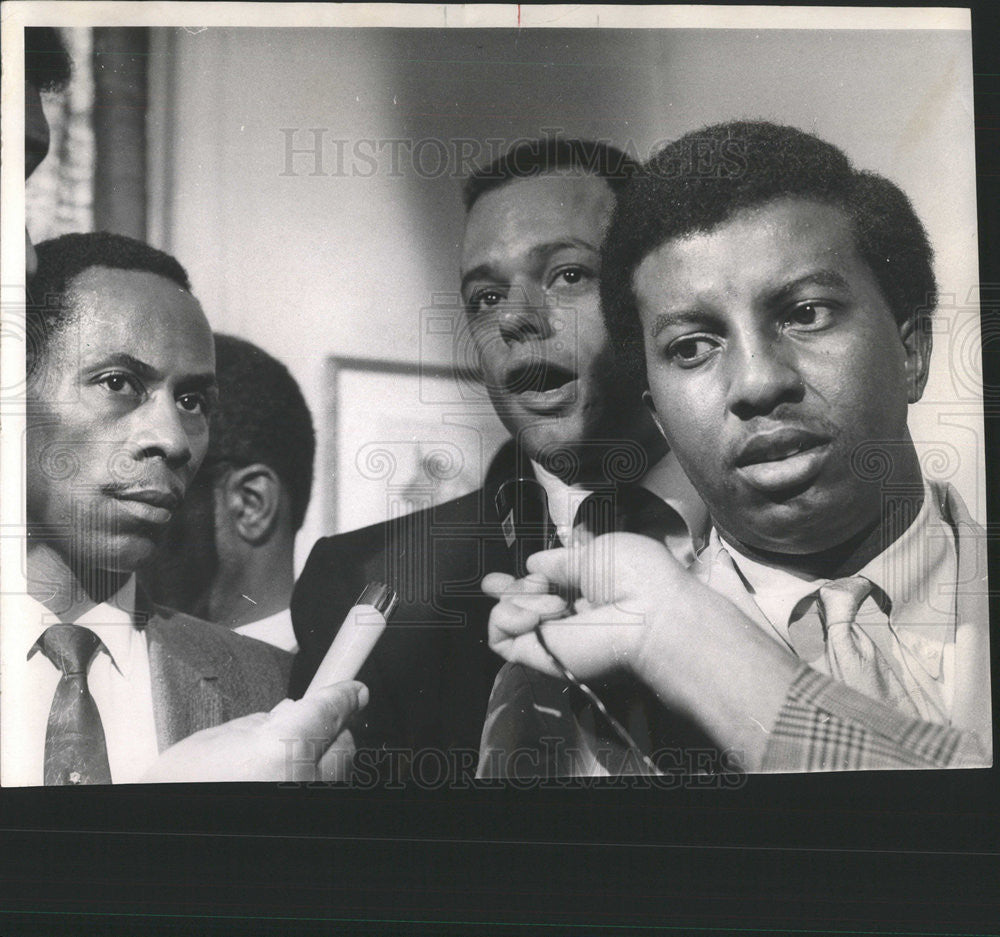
(826, 726)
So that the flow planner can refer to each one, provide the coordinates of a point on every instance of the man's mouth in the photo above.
(542, 386)
(155, 505)
(783, 458)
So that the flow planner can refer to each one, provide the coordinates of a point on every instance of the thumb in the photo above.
(324, 713)
(588, 568)
(554, 565)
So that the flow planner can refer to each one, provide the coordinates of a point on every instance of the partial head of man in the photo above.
(121, 379)
(228, 553)
(531, 268)
(775, 301)
(46, 68)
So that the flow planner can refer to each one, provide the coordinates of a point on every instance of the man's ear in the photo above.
(253, 496)
(647, 399)
(916, 335)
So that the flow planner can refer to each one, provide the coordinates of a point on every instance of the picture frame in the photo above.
(397, 437)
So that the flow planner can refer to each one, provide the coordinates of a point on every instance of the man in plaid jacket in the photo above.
(772, 305)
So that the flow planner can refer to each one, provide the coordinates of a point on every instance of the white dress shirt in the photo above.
(276, 629)
(118, 678)
(910, 617)
(666, 480)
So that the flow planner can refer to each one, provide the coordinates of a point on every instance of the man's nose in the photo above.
(763, 374)
(160, 431)
(525, 316)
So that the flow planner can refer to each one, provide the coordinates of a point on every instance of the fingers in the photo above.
(508, 620)
(552, 564)
(518, 612)
(496, 585)
(499, 585)
(588, 568)
(544, 606)
(608, 567)
(324, 713)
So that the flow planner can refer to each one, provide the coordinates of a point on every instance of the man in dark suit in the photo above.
(98, 682)
(530, 285)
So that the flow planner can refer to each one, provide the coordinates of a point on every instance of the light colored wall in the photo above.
(313, 265)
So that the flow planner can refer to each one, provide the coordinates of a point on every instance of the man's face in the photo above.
(36, 146)
(117, 422)
(530, 269)
(772, 356)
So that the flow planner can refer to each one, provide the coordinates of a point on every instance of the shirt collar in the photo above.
(276, 629)
(113, 621)
(563, 499)
(914, 571)
(907, 569)
(914, 555)
(775, 590)
(665, 479)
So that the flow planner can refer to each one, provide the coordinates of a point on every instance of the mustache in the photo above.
(162, 494)
(761, 432)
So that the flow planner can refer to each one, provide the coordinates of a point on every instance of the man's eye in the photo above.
(570, 276)
(485, 298)
(810, 315)
(693, 350)
(118, 383)
(193, 403)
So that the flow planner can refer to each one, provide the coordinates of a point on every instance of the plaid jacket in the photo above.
(826, 726)
(823, 725)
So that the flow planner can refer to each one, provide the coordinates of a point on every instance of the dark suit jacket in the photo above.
(431, 673)
(203, 674)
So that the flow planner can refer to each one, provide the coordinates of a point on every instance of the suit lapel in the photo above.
(715, 567)
(185, 669)
(971, 705)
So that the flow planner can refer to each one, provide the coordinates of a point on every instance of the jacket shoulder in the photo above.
(441, 537)
(470, 509)
(264, 669)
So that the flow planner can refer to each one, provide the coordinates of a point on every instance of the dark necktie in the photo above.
(629, 508)
(75, 749)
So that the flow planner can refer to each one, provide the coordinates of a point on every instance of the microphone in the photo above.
(357, 636)
(523, 509)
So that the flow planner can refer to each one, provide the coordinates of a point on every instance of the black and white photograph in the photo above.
(463, 397)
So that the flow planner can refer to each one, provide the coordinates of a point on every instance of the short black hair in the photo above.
(62, 259)
(701, 180)
(47, 65)
(261, 416)
(531, 158)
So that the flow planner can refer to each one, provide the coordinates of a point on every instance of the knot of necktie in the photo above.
(853, 656)
(69, 647)
(841, 599)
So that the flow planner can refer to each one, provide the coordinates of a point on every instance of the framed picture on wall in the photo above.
(400, 437)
